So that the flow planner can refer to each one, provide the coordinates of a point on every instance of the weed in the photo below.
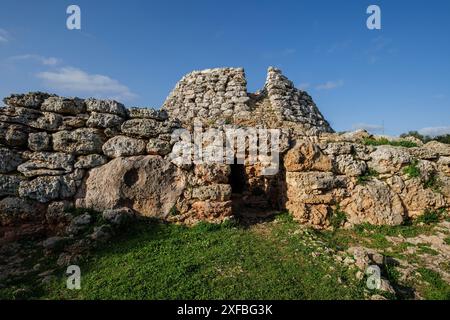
(338, 218)
(412, 170)
(367, 176)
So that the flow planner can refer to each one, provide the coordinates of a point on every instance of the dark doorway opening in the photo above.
(237, 178)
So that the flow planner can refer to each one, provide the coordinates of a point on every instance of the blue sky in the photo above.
(136, 51)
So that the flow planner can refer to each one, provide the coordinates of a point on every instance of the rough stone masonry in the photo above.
(58, 153)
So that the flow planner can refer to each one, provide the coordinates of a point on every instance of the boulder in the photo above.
(47, 163)
(147, 128)
(306, 156)
(440, 148)
(158, 147)
(39, 141)
(122, 146)
(118, 217)
(348, 165)
(32, 100)
(9, 160)
(79, 142)
(102, 233)
(14, 135)
(57, 212)
(416, 198)
(74, 122)
(215, 192)
(32, 118)
(105, 106)
(9, 185)
(211, 173)
(147, 184)
(389, 159)
(14, 210)
(212, 211)
(64, 106)
(313, 188)
(373, 202)
(148, 113)
(104, 120)
(42, 189)
(444, 165)
(90, 161)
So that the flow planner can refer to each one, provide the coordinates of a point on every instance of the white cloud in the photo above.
(47, 61)
(330, 85)
(77, 81)
(4, 36)
(303, 86)
(439, 96)
(435, 131)
(368, 127)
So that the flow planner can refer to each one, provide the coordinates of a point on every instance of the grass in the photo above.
(431, 216)
(338, 218)
(412, 170)
(437, 289)
(367, 176)
(433, 183)
(385, 141)
(447, 240)
(165, 261)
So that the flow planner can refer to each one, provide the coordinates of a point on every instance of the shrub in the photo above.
(385, 141)
(433, 183)
(367, 176)
(338, 218)
(431, 216)
(412, 171)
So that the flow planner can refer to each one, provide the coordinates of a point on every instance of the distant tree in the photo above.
(443, 138)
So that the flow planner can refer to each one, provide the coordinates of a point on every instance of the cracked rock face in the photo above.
(374, 202)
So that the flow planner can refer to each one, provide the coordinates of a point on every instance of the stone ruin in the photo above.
(61, 153)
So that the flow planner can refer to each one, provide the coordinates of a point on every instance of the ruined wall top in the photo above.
(220, 96)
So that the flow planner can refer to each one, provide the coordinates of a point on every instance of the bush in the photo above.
(338, 218)
(367, 176)
(385, 141)
(412, 171)
(433, 183)
(443, 139)
(430, 216)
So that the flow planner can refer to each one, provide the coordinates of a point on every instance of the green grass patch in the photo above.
(166, 261)
(338, 218)
(367, 176)
(433, 183)
(437, 288)
(431, 216)
(447, 240)
(412, 170)
(385, 141)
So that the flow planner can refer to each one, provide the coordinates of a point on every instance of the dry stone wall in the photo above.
(219, 96)
(383, 185)
(58, 153)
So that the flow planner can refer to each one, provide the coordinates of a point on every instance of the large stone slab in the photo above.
(147, 184)
(122, 146)
(47, 163)
(64, 106)
(80, 142)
